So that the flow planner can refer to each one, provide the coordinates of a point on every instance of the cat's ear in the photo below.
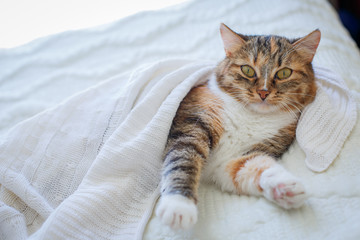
(231, 40)
(307, 45)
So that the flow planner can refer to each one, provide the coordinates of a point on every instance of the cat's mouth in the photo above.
(263, 107)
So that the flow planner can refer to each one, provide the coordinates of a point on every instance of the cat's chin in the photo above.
(263, 107)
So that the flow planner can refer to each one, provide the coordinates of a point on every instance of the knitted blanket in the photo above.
(89, 168)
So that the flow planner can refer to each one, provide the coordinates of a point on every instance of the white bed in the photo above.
(40, 75)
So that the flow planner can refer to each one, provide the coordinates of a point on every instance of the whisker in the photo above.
(295, 102)
(289, 110)
(294, 106)
(303, 94)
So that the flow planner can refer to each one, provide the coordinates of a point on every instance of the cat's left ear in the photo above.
(231, 39)
(307, 45)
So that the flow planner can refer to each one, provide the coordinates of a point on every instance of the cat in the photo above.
(231, 130)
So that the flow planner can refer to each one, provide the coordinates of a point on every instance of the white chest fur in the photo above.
(242, 129)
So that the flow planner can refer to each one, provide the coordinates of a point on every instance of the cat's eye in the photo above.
(283, 73)
(248, 71)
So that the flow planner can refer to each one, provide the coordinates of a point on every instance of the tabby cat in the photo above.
(231, 130)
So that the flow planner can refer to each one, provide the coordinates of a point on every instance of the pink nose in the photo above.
(263, 94)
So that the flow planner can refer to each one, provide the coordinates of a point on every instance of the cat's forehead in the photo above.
(264, 49)
(267, 44)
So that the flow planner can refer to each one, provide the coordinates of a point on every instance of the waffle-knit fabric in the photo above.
(325, 125)
(90, 167)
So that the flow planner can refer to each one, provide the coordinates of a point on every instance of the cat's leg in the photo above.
(195, 131)
(180, 180)
(259, 174)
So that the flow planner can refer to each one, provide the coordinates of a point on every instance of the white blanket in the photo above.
(41, 74)
(113, 135)
(117, 129)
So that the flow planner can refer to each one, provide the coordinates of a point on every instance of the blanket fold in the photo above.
(326, 123)
(93, 162)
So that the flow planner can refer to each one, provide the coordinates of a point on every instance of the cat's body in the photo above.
(253, 127)
(231, 130)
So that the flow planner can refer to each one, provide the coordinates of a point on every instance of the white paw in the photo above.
(281, 187)
(177, 211)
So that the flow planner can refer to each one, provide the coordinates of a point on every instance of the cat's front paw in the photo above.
(281, 187)
(177, 211)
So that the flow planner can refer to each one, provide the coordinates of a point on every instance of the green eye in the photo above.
(248, 71)
(283, 73)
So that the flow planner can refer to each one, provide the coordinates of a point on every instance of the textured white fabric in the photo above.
(325, 125)
(41, 74)
(43, 159)
(117, 193)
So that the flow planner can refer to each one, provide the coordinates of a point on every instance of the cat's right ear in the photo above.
(231, 40)
(307, 45)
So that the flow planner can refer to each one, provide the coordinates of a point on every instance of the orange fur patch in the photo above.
(234, 167)
(202, 102)
(247, 171)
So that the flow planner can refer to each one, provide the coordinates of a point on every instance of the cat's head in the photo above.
(268, 73)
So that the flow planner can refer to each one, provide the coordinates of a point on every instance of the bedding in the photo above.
(43, 73)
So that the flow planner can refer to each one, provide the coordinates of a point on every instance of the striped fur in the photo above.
(231, 130)
(195, 131)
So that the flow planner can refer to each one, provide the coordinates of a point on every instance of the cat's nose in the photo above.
(263, 93)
